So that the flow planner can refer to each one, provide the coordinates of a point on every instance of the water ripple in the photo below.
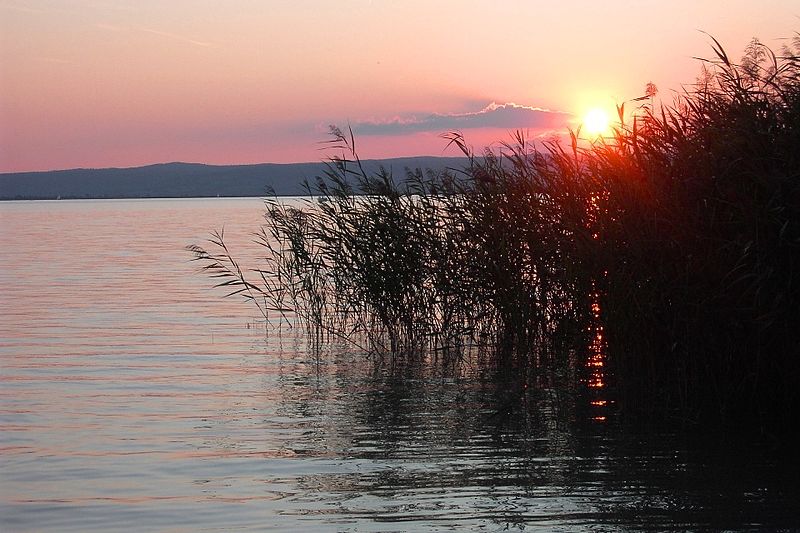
(133, 396)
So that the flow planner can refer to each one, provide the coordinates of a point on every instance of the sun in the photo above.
(596, 122)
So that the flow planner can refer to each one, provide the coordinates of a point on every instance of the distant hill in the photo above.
(182, 180)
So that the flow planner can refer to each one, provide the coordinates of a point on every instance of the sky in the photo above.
(119, 83)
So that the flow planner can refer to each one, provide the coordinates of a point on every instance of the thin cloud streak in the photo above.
(22, 9)
(506, 116)
(175, 37)
(151, 31)
(109, 27)
(56, 60)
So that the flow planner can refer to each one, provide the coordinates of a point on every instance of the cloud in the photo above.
(503, 116)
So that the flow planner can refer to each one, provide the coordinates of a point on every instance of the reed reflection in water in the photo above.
(132, 396)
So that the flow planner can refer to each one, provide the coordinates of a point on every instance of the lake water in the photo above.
(134, 397)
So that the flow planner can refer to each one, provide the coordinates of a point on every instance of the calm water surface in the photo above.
(135, 398)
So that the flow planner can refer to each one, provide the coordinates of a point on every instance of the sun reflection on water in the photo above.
(596, 360)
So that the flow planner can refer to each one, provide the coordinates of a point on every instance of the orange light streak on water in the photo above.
(596, 360)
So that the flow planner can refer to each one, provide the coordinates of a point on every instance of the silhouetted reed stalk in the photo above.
(683, 227)
(700, 236)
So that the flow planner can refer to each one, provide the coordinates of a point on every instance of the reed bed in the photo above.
(699, 242)
(682, 229)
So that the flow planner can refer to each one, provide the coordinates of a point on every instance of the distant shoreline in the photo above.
(86, 198)
(191, 180)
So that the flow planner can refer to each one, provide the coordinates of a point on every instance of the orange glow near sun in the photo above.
(596, 122)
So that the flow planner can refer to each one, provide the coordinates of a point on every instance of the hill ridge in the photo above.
(178, 179)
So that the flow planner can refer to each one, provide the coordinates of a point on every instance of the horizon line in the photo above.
(145, 165)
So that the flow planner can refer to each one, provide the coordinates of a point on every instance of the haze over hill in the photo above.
(183, 180)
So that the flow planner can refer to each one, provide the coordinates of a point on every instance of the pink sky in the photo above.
(98, 83)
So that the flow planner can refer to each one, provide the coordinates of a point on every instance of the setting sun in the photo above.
(596, 122)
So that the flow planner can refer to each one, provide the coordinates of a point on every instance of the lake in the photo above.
(135, 397)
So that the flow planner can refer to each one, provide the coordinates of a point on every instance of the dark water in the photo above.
(134, 398)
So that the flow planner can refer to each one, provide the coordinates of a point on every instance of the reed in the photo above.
(700, 239)
(682, 227)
